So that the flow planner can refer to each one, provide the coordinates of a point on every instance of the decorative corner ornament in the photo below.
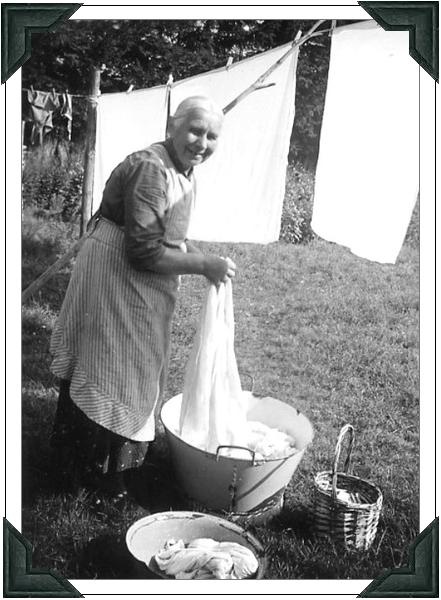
(20, 580)
(420, 19)
(19, 21)
(419, 578)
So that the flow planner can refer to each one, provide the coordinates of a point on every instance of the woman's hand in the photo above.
(218, 269)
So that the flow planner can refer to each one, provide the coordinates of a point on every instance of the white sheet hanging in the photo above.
(126, 122)
(367, 172)
(240, 189)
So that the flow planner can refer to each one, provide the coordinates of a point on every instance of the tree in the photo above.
(143, 53)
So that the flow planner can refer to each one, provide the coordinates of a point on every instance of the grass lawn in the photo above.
(332, 334)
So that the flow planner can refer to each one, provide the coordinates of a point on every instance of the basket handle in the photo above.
(253, 454)
(338, 447)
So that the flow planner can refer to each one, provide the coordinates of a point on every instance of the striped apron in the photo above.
(111, 340)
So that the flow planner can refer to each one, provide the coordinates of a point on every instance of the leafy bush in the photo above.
(52, 180)
(297, 206)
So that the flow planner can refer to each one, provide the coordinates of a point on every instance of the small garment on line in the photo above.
(366, 182)
(47, 111)
(66, 113)
(39, 108)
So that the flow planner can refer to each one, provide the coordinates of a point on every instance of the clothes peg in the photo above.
(170, 79)
(130, 88)
(229, 62)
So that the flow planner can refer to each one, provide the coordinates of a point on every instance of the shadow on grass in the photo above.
(38, 472)
(107, 557)
(36, 358)
(153, 486)
(297, 519)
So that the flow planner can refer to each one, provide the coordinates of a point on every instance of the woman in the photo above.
(110, 344)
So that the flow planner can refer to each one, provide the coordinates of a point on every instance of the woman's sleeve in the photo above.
(145, 204)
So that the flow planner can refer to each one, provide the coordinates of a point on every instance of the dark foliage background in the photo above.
(143, 53)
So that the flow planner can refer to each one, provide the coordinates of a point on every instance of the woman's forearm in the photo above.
(176, 262)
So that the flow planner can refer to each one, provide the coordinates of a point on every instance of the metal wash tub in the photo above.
(242, 485)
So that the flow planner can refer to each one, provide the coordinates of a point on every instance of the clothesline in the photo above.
(60, 93)
(306, 38)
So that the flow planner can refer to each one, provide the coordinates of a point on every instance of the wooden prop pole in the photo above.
(90, 158)
(52, 270)
(258, 83)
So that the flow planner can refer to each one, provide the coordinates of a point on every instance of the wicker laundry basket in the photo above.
(345, 507)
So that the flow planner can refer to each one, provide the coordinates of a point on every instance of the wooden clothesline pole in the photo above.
(89, 156)
(63, 260)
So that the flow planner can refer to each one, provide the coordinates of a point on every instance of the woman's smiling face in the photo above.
(195, 136)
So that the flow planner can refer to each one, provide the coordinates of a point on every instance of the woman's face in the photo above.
(195, 136)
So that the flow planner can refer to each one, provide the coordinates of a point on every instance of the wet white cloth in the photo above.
(367, 173)
(268, 442)
(126, 122)
(240, 189)
(205, 558)
(212, 413)
(214, 410)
